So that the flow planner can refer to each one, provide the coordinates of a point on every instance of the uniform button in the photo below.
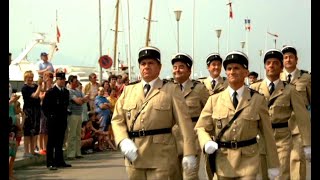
(233, 130)
(141, 120)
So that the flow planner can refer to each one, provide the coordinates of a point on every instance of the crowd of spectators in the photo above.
(89, 120)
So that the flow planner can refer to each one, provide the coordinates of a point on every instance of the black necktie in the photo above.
(213, 83)
(271, 88)
(235, 100)
(289, 78)
(181, 87)
(147, 86)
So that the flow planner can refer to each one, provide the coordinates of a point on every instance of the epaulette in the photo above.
(252, 91)
(202, 78)
(134, 82)
(260, 80)
(166, 81)
(303, 71)
(195, 82)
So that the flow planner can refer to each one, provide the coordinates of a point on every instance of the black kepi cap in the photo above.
(60, 74)
(273, 53)
(182, 57)
(291, 49)
(149, 52)
(213, 57)
(253, 73)
(236, 57)
(43, 54)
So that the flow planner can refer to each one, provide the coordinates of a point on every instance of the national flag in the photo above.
(58, 34)
(230, 10)
(273, 34)
(247, 23)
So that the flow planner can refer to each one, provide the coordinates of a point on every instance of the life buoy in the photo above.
(105, 61)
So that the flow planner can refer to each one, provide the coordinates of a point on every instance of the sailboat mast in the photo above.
(129, 45)
(116, 65)
(149, 22)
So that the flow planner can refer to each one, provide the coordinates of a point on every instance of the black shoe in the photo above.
(64, 165)
(52, 168)
(79, 157)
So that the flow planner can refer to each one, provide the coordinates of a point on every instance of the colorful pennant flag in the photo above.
(230, 10)
(58, 34)
(247, 23)
(273, 34)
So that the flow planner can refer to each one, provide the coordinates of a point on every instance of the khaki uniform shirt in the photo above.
(287, 101)
(164, 107)
(302, 82)
(196, 96)
(243, 161)
(220, 85)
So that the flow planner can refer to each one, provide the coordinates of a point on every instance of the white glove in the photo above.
(273, 173)
(129, 149)
(189, 162)
(210, 147)
(307, 153)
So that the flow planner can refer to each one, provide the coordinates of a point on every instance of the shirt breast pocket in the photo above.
(130, 110)
(252, 119)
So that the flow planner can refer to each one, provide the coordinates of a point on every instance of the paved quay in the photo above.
(106, 165)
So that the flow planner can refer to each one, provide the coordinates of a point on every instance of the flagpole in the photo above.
(100, 43)
(247, 37)
(228, 35)
(193, 18)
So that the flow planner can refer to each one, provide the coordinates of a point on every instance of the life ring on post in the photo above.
(105, 61)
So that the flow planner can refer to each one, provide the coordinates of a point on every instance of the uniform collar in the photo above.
(151, 83)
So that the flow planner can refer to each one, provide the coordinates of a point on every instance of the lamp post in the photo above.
(178, 15)
(242, 43)
(218, 31)
(275, 43)
(260, 53)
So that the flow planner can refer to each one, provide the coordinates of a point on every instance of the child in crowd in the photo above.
(87, 137)
(102, 136)
(16, 118)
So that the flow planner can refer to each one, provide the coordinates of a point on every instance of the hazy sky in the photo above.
(78, 22)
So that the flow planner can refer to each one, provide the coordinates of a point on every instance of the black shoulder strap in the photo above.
(303, 71)
(228, 125)
(232, 120)
(138, 113)
(142, 107)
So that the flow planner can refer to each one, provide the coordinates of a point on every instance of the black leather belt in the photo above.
(142, 133)
(237, 144)
(194, 119)
(279, 125)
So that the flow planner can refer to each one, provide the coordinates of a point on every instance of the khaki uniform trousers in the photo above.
(284, 146)
(151, 174)
(74, 136)
(298, 164)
